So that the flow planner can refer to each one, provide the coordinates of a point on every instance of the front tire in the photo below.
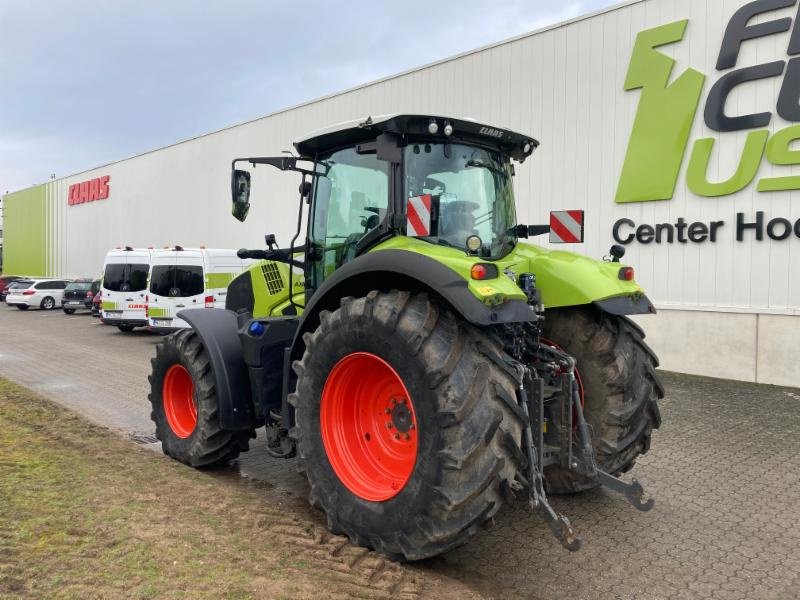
(69, 311)
(621, 389)
(184, 404)
(428, 492)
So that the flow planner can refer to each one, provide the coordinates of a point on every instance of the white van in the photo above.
(124, 287)
(182, 278)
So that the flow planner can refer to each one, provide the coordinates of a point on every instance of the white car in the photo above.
(37, 293)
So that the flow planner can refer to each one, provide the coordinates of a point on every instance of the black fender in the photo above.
(627, 305)
(219, 332)
(405, 270)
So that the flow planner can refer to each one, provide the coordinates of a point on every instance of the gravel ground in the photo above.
(724, 469)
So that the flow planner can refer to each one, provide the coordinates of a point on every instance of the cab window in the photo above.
(350, 199)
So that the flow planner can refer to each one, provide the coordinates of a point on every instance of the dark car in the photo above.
(91, 294)
(97, 301)
(75, 295)
(5, 281)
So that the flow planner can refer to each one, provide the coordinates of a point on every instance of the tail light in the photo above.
(209, 301)
(147, 306)
(89, 295)
(28, 292)
(626, 274)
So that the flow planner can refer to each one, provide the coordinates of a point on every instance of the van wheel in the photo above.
(125, 328)
(48, 304)
(184, 402)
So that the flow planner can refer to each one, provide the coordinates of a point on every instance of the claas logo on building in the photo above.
(89, 191)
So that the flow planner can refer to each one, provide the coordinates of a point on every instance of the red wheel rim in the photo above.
(578, 379)
(179, 404)
(369, 428)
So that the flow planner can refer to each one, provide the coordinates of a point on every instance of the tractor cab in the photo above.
(447, 182)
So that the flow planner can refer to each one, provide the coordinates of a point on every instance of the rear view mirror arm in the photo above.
(284, 163)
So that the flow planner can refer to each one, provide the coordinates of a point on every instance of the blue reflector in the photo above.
(256, 328)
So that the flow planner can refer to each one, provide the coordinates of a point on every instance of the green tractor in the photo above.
(424, 364)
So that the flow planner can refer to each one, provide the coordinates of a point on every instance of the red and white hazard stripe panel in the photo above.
(566, 227)
(418, 212)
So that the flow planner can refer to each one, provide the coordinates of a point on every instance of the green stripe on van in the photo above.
(219, 280)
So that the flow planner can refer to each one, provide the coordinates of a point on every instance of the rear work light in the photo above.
(28, 292)
(209, 301)
(626, 274)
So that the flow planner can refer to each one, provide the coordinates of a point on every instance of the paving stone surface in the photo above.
(724, 469)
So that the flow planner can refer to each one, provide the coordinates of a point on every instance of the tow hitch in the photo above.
(567, 442)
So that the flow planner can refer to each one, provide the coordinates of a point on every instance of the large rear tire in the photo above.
(620, 386)
(184, 404)
(373, 368)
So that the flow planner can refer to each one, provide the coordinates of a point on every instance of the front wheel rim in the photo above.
(369, 427)
(180, 407)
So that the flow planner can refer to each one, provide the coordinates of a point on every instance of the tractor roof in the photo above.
(464, 130)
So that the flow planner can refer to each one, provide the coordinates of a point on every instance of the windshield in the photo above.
(120, 277)
(455, 191)
(177, 281)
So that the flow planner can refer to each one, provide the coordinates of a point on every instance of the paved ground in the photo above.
(724, 469)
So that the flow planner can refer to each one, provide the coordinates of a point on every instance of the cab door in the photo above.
(351, 197)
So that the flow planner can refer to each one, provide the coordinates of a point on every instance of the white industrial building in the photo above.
(697, 145)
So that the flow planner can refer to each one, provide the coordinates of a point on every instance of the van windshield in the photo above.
(125, 277)
(177, 281)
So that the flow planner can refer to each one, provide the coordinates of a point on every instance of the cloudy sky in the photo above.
(87, 82)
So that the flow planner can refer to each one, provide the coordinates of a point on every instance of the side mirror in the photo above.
(240, 194)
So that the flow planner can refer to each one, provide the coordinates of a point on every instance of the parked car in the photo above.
(76, 294)
(89, 302)
(37, 293)
(97, 303)
(5, 281)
